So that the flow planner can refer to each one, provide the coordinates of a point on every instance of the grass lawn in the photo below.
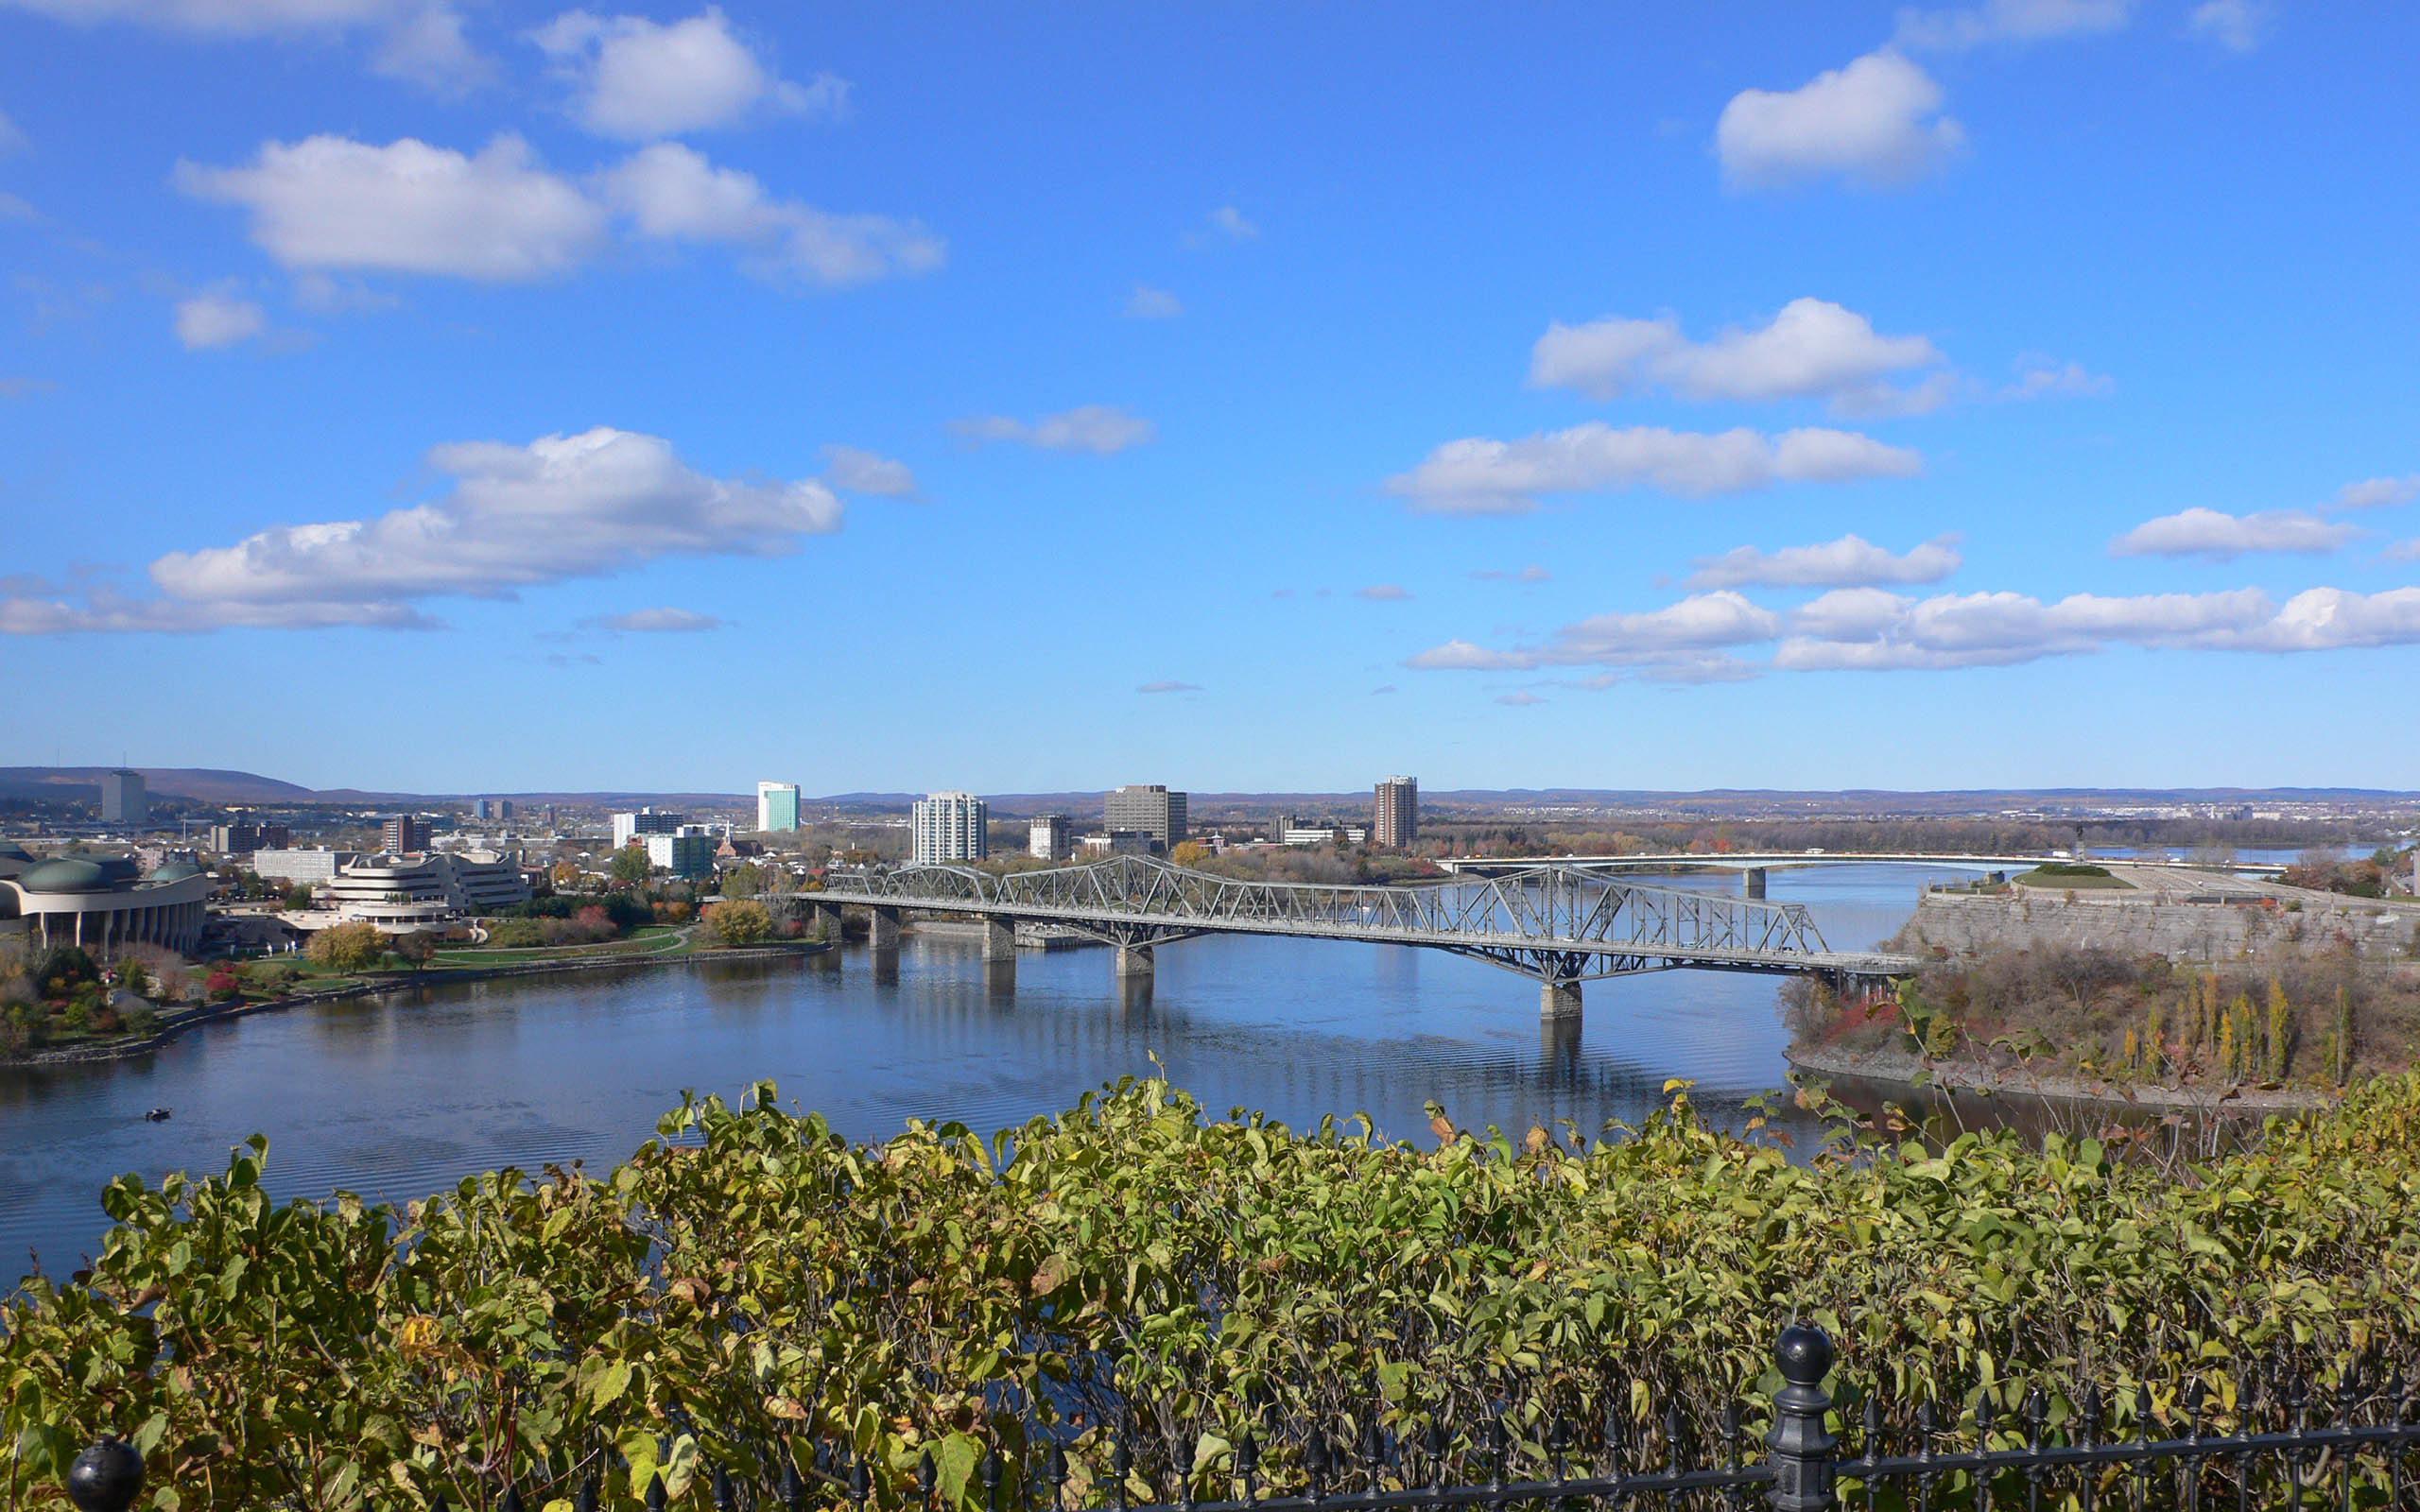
(2061, 876)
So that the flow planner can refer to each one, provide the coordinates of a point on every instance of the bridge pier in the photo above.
(1559, 999)
(827, 922)
(1753, 882)
(1136, 960)
(882, 928)
(1000, 940)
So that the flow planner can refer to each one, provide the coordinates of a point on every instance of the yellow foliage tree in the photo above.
(740, 921)
(347, 947)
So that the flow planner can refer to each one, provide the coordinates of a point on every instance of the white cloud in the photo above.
(1383, 593)
(1519, 700)
(1674, 641)
(2376, 493)
(1870, 630)
(636, 78)
(1877, 123)
(1148, 303)
(331, 202)
(2038, 377)
(217, 319)
(1479, 475)
(1101, 429)
(661, 622)
(513, 516)
(1812, 349)
(2404, 551)
(672, 192)
(422, 43)
(1231, 220)
(11, 139)
(2011, 21)
(1531, 574)
(2208, 533)
(854, 470)
(1850, 561)
(2235, 25)
(1169, 687)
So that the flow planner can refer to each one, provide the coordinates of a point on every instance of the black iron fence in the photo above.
(2257, 1440)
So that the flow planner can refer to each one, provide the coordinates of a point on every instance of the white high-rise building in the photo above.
(951, 827)
(776, 806)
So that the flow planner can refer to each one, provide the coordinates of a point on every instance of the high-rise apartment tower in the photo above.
(1397, 821)
(777, 805)
(404, 835)
(951, 827)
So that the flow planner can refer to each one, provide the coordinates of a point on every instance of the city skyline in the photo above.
(2002, 395)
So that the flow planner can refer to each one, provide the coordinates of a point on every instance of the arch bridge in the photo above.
(1560, 925)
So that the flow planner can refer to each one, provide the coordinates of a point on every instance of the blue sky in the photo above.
(462, 397)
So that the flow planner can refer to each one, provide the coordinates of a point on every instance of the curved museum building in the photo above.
(103, 903)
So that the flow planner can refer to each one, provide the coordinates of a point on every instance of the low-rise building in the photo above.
(1120, 843)
(1051, 838)
(645, 821)
(104, 903)
(310, 868)
(404, 894)
(1326, 835)
(243, 835)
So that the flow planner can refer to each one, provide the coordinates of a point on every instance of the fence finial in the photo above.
(1802, 1448)
(106, 1477)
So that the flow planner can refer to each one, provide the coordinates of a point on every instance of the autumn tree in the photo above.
(354, 947)
(740, 921)
(632, 864)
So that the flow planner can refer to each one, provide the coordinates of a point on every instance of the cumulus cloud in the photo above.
(1101, 429)
(2235, 25)
(1229, 219)
(673, 193)
(2376, 493)
(422, 42)
(1519, 700)
(661, 622)
(332, 202)
(1681, 642)
(1383, 593)
(853, 469)
(1875, 123)
(217, 319)
(512, 517)
(1479, 475)
(1850, 561)
(2404, 551)
(2011, 21)
(639, 79)
(2209, 534)
(1531, 574)
(1169, 687)
(1812, 350)
(1866, 629)
(1148, 303)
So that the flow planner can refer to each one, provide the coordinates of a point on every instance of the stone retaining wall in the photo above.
(1966, 924)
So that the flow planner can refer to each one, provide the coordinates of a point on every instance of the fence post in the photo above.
(1802, 1450)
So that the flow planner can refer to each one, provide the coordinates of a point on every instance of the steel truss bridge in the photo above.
(1560, 924)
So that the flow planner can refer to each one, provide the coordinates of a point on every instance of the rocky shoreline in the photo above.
(173, 1024)
(1889, 1066)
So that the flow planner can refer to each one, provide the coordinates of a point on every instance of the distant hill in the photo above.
(201, 783)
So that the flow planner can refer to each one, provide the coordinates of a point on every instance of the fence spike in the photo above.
(860, 1480)
(724, 1500)
(991, 1479)
(2196, 1398)
(1497, 1445)
(2038, 1416)
(793, 1489)
(1121, 1465)
(2142, 1413)
(1871, 1421)
(655, 1492)
(1672, 1426)
(2091, 1424)
(1437, 1443)
(584, 1500)
(1984, 1419)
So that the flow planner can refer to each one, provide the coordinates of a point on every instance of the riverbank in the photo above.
(174, 1023)
(1887, 1066)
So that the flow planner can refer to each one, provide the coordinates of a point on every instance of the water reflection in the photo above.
(402, 1096)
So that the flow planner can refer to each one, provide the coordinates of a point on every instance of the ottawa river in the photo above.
(400, 1096)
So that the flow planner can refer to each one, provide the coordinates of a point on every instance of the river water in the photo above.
(401, 1096)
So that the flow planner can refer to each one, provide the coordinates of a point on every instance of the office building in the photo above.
(1120, 843)
(1051, 838)
(124, 800)
(645, 821)
(424, 892)
(1323, 834)
(490, 807)
(776, 806)
(312, 867)
(1397, 822)
(1149, 808)
(1278, 826)
(951, 827)
(235, 839)
(403, 834)
(689, 851)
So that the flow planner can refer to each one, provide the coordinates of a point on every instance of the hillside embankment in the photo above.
(2195, 917)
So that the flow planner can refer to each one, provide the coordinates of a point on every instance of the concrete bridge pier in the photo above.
(882, 928)
(1136, 960)
(1753, 882)
(1000, 940)
(827, 920)
(1559, 999)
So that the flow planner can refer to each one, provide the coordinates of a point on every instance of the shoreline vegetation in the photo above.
(749, 1280)
(171, 1023)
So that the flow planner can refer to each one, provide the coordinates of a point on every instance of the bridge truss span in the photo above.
(1561, 925)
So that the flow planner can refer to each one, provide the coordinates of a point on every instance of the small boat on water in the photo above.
(157, 1115)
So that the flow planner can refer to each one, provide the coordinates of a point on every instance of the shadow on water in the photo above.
(404, 1094)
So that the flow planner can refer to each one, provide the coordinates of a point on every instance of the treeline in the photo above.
(1937, 835)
